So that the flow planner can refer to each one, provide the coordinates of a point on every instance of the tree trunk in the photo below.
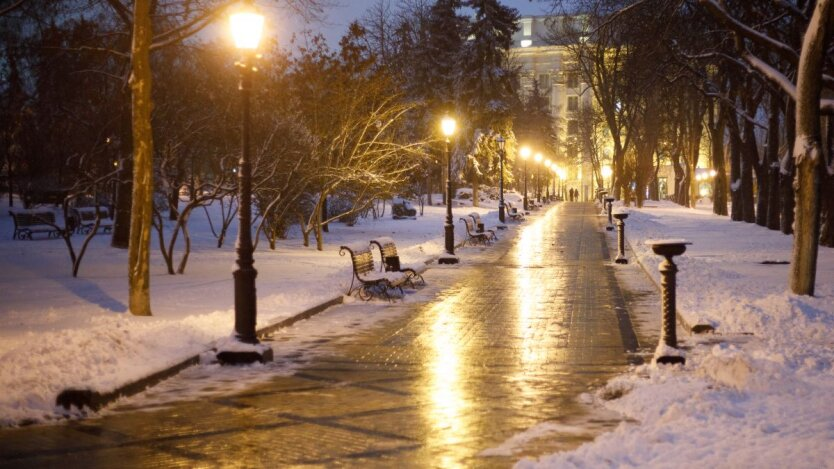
(808, 149)
(788, 171)
(173, 204)
(121, 217)
(140, 217)
(476, 194)
(749, 159)
(772, 165)
(717, 125)
(10, 178)
(324, 216)
(827, 188)
(736, 210)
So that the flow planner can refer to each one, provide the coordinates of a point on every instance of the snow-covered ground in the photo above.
(760, 400)
(59, 332)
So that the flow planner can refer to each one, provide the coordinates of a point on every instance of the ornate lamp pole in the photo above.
(247, 26)
(447, 125)
(500, 141)
(525, 155)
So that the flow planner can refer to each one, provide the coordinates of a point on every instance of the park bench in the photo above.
(27, 224)
(479, 226)
(472, 236)
(391, 261)
(370, 282)
(85, 220)
(513, 212)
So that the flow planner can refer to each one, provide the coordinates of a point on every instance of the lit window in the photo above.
(527, 27)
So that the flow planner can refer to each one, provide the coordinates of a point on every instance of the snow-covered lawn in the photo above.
(741, 401)
(59, 332)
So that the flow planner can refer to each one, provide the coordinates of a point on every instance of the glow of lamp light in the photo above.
(247, 26)
(447, 125)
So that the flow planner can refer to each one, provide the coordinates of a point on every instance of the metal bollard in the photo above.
(610, 202)
(668, 270)
(621, 258)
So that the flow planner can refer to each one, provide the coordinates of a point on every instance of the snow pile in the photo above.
(741, 400)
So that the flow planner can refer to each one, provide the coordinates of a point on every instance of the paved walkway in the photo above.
(509, 342)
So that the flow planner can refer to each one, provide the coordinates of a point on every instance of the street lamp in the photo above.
(606, 173)
(247, 25)
(500, 141)
(525, 155)
(447, 126)
(538, 159)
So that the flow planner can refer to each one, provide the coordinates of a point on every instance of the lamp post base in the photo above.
(609, 228)
(621, 260)
(668, 355)
(231, 351)
(448, 259)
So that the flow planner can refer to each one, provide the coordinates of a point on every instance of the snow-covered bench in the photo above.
(27, 224)
(473, 236)
(86, 220)
(391, 261)
(479, 224)
(513, 212)
(371, 282)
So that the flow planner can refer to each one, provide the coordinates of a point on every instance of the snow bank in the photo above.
(761, 400)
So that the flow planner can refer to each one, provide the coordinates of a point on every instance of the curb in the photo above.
(96, 400)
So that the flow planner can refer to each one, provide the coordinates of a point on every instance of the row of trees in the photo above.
(751, 89)
(118, 100)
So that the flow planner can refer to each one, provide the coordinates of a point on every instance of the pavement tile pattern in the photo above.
(510, 341)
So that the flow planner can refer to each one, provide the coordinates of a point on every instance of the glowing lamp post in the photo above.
(247, 26)
(447, 126)
(525, 155)
(500, 141)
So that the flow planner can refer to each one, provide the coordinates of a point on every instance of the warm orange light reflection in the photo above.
(538, 342)
(447, 396)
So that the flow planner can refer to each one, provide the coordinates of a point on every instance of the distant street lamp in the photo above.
(606, 174)
(447, 126)
(538, 159)
(246, 25)
(500, 141)
(525, 155)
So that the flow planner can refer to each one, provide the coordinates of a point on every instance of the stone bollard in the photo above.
(621, 258)
(600, 195)
(609, 201)
(668, 352)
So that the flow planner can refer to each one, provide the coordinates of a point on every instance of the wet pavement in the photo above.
(509, 341)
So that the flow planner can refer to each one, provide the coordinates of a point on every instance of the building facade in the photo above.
(555, 71)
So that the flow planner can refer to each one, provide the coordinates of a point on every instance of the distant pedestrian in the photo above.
(571, 194)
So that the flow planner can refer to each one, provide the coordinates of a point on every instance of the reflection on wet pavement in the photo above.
(509, 341)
